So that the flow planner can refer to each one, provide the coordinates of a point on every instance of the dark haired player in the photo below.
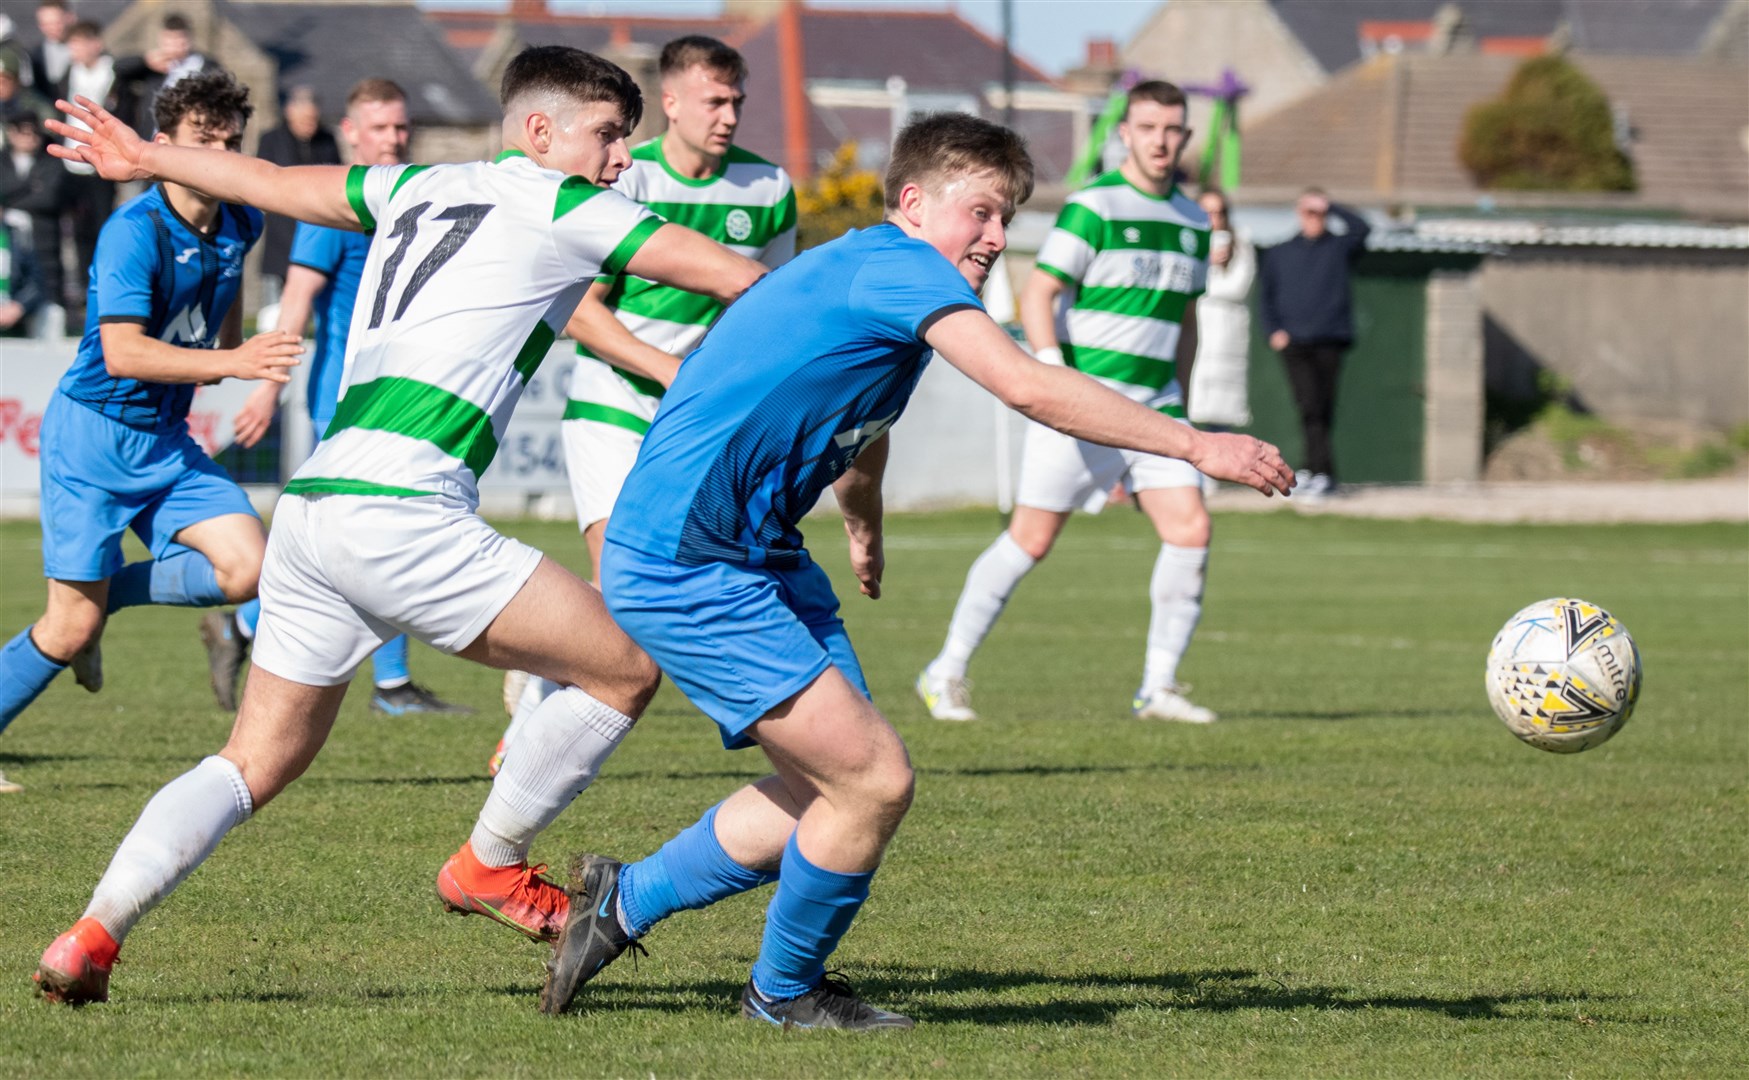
(161, 319)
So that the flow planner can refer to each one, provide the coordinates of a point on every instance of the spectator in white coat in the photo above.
(1217, 393)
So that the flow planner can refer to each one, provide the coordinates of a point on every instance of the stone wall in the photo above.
(1638, 334)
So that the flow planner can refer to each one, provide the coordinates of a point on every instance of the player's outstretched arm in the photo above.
(130, 353)
(678, 256)
(593, 326)
(859, 498)
(313, 193)
(1074, 404)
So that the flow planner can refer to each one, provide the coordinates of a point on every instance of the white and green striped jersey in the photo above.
(477, 268)
(1133, 262)
(749, 206)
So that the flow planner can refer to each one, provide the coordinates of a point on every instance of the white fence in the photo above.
(955, 445)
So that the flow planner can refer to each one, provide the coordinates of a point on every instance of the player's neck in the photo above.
(193, 207)
(1157, 188)
(688, 162)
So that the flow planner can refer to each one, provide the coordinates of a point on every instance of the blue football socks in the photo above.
(24, 673)
(810, 911)
(690, 871)
(247, 615)
(182, 578)
(389, 662)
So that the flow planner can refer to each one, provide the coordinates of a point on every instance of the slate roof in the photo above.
(330, 46)
(935, 52)
(1390, 128)
(468, 32)
(1329, 29)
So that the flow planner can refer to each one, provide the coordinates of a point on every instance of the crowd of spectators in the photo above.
(51, 211)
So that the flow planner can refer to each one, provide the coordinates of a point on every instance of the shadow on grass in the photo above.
(1343, 714)
(1079, 770)
(927, 993)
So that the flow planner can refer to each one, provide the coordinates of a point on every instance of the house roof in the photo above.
(1389, 128)
(1329, 29)
(468, 32)
(940, 56)
(330, 46)
(937, 53)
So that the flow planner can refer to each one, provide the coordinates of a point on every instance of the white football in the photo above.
(1564, 675)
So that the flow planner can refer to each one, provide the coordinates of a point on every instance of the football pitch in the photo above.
(1357, 872)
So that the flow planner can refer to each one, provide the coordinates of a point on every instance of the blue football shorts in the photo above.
(737, 640)
(101, 477)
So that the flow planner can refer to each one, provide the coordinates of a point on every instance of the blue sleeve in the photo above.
(257, 224)
(905, 286)
(318, 248)
(126, 265)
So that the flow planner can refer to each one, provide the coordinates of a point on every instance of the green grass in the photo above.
(1359, 872)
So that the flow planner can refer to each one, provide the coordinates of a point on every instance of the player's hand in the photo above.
(1278, 340)
(868, 561)
(1244, 460)
(256, 415)
(110, 147)
(267, 356)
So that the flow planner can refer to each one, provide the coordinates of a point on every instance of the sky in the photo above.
(1051, 33)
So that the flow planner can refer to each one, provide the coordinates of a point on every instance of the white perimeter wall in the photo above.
(955, 445)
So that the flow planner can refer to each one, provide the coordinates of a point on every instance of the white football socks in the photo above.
(1176, 592)
(534, 691)
(557, 751)
(989, 583)
(176, 831)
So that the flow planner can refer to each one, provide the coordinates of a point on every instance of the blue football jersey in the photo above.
(153, 268)
(340, 255)
(799, 375)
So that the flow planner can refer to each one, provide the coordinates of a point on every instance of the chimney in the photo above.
(528, 9)
(1101, 52)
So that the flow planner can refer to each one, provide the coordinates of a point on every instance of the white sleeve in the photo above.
(598, 229)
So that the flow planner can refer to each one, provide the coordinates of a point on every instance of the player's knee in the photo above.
(887, 787)
(62, 632)
(239, 576)
(636, 678)
(1191, 531)
(1036, 543)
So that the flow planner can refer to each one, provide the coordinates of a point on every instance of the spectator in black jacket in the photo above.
(31, 187)
(299, 140)
(139, 78)
(49, 60)
(17, 98)
(89, 198)
(1307, 312)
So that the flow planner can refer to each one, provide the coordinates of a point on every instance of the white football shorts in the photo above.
(345, 573)
(1060, 473)
(598, 458)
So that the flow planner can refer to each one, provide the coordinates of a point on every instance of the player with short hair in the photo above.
(633, 333)
(323, 277)
(1113, 295)
(478, 268)
(704, 566)
(161, 319)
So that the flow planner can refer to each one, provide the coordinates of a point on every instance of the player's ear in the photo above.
(911, 198)
(538, 126)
